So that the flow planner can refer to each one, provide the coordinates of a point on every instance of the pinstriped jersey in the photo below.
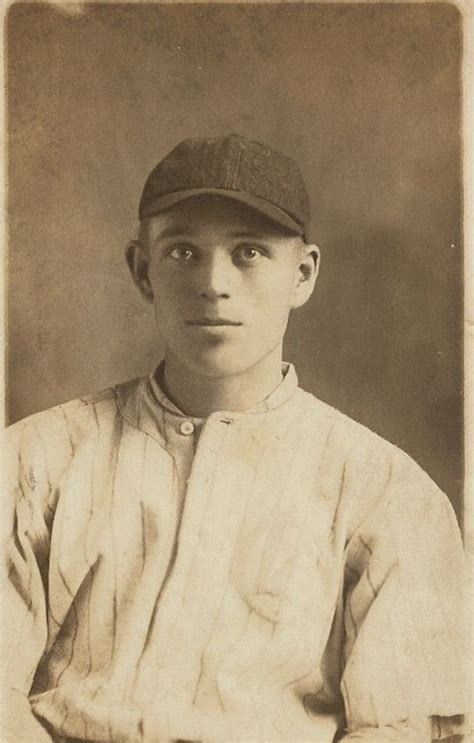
(281, 574)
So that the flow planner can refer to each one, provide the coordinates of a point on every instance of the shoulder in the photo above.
(39, 450)
(68, 423)
(375, 475)
(353, 441)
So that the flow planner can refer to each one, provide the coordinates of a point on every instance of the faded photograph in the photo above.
(234, 388)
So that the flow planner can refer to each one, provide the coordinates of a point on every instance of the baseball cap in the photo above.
(241, 169)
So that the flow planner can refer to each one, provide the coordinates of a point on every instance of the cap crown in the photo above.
(231, 164)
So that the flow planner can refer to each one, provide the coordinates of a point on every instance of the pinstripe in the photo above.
(369, 581)
(30, 483)
(351, 637)
(23, 591)
(350, 612)
(89, 597)
(201, 670)
(142, 510)
(164, 415)
(14, 534)
(45, 457)
(142, 517)
(109, 727)
(74, 636)
(151, 625)
(95, 414)
(28, 602)
(89, 647)
(88, 560)
(114, 476)
(50, 613)
(365, 546)
(147, 638)
(347, 700)
(339, 500)
(68, 431)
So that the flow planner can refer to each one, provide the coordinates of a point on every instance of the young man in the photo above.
(211, 553)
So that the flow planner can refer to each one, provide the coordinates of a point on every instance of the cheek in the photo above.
(271, 312)
(277, 291)
(168, 292)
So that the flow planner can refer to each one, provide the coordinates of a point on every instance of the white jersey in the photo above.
(281, 574)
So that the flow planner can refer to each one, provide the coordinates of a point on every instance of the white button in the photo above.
(186, 428)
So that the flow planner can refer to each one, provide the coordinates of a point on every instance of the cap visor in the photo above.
(254, 202)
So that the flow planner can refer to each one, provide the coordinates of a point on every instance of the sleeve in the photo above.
(26, 540)
(404, 655)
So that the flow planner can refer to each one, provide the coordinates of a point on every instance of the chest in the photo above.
(255, 535)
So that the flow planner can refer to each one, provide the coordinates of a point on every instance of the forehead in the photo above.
(212, 214)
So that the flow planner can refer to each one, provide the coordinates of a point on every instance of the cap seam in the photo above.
(235, 166)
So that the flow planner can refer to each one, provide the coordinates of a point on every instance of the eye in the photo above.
(249, 254)
(181, 253)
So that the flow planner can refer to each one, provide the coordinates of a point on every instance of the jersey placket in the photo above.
(204, 548)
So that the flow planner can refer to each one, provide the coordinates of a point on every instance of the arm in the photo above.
(403, 615)
(24, 627)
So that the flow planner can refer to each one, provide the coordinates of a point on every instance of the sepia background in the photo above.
(365, 97)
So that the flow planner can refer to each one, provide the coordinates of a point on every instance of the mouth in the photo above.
(209, 322)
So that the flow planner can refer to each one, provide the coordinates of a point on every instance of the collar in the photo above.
(282, 392)
(144, 404)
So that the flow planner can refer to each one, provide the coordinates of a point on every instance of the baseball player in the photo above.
(210, 553)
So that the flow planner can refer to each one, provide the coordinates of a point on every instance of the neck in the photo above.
(199, 395)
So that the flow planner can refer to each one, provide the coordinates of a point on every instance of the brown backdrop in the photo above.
(366, 97)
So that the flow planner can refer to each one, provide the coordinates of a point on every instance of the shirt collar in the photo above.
(144, 404)
(279, 395)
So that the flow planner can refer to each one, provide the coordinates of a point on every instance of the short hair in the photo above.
(143, 233)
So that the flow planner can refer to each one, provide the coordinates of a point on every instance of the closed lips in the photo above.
(209, 321)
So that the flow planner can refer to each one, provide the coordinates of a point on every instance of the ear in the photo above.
(138, 264)
(307, 273)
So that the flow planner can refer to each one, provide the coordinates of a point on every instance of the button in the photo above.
(186, 428)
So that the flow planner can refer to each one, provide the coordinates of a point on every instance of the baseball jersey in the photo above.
(281, 574)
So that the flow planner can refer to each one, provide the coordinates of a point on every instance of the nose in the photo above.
(214, 277)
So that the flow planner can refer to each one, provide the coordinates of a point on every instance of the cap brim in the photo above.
(274, 213)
